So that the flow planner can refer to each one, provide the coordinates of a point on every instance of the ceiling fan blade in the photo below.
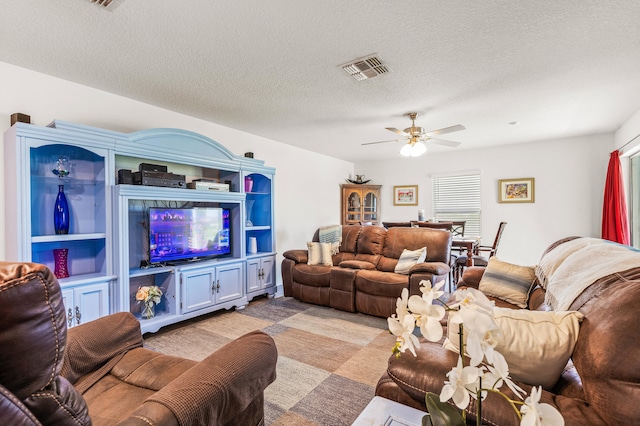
(444, 130)
(443, 142)
(398, 131)
(373, 143)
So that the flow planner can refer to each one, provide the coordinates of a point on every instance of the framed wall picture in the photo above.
(516, 190)
(406, 195)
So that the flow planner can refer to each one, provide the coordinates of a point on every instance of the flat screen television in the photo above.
(188, 233)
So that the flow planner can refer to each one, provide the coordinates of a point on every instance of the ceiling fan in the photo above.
(416, 137)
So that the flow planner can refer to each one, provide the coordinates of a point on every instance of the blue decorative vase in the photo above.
(61, 212)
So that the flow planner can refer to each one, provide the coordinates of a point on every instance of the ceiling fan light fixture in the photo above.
(413, 149)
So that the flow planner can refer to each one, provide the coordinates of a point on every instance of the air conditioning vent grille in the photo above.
(364, 68)
(103, 3)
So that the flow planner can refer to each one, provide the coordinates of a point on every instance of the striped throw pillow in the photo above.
(508, 282)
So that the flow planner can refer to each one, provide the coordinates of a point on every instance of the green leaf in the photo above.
(441, 413)
(426, 420)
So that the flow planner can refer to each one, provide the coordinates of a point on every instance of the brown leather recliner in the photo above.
(599, 386)
(99, 373)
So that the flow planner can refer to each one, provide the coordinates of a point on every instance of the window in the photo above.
(457, 198)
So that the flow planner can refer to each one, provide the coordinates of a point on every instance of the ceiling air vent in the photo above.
(364, 68)
(104, 3)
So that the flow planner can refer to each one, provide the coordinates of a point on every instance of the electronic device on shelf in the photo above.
(181, 234)
(208, 186)
(152, 178)
(152, 167)
(125, 177)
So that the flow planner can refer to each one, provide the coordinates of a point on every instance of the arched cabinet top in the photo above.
(169, 144)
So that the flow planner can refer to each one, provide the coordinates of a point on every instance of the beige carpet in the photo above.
(329, 361)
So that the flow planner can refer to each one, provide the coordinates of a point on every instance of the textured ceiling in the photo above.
(270, 67)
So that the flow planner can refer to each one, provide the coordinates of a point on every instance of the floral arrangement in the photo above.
(487, 371)
(149, 296)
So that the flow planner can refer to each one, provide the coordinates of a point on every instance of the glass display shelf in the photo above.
(83, 279)
(68, 237)
(258, 228)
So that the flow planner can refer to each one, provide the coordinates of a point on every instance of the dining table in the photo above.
(469, 243)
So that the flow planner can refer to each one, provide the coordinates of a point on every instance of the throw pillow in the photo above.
(319, 254)
(536, 344)
(508, 282)
(408, 258)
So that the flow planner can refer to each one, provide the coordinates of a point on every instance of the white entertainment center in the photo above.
(107, 244)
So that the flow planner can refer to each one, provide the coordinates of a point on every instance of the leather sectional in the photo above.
(100, 373)
(600, 385)
(362, 278)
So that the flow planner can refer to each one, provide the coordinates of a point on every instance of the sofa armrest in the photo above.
(219, 388)
(13, 411)
(434, 268)
(95, 344)
(471, 277)
(298, 256)
(357, 264)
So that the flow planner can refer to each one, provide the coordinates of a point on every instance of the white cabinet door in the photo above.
(268, 271)
(253, 275)
(67, 300)
(85, 303)
(229, 282)
(198, 289)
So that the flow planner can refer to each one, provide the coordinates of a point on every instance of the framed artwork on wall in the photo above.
(406, 195)
(516, 190)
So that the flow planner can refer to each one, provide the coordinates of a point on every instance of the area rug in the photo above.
(329, 361)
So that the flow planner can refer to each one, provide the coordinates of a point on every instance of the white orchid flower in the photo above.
(427, 317)
(471, 297)
(461, 379)
(429, 293)
(402, 304)
(480, 330)
(482, 333)
(536, 414)
(498, 374)
(403, 330)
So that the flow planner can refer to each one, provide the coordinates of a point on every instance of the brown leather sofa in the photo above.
(599, 386)
(362, 278)
(99, 373)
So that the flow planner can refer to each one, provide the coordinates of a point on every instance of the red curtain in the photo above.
(615, 225)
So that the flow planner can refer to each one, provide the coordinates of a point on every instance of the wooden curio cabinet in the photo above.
(360, 204)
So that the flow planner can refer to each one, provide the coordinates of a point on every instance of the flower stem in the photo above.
(479, 412)
(510, 401)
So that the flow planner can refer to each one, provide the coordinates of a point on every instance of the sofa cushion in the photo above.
(350, 235)
(380, 283)
(408, 258)
(437, 241)
(509, 282)
(319, 254)
(536, 344)
(371, 240)
(312, 275)
(357, 264)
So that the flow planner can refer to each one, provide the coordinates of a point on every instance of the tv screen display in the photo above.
(192, 233)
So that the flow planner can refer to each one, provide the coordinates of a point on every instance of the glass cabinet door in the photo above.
(370, 207)
(354, 207)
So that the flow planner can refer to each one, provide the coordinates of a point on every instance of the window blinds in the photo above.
(457, 198)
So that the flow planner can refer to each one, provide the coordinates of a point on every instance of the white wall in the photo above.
(306, 184)
(569, 182)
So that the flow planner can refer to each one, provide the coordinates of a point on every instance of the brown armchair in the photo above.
(99, 373)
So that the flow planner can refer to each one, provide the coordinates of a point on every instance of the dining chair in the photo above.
(457, 228)
(479, 260)
(435, 225)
